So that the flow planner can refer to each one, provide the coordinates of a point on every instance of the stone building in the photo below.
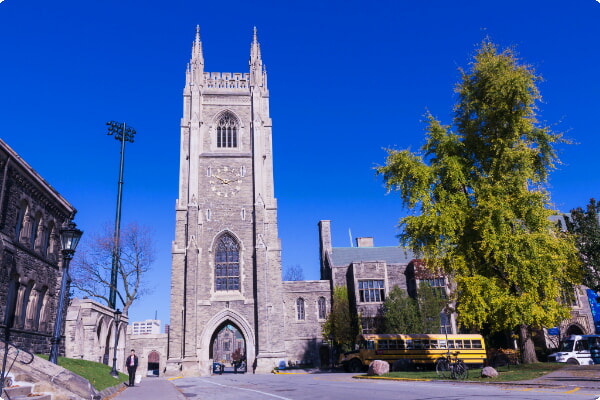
(226, 268)
(31, 215)
(226, 255)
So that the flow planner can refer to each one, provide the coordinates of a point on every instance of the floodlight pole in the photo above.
(123, 134)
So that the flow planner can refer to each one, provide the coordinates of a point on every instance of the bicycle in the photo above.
(455, 368)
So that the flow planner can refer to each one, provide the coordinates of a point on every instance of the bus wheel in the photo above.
(572, 361)
(355, 365)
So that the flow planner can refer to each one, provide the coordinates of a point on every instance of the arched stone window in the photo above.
(46, 239)
(11, 302)
(227, 129)
(300, 309)
(24, 304)
(39, 307)
(20, 219)
(322, 305)
(35, 225)
(227, 264)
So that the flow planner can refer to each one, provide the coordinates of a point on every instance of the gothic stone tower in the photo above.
(226, 254)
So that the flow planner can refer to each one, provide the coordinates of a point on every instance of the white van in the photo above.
(575, 349)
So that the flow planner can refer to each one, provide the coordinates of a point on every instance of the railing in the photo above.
(11, 353)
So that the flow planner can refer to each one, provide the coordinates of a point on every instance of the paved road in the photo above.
(571, 382)
(344, 387)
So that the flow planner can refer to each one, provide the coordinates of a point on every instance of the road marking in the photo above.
(249, 390)
(572, 391)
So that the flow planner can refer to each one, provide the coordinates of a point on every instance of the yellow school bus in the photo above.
(418, 350)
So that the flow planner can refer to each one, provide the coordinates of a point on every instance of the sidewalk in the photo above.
(586, 376)
(149, 388)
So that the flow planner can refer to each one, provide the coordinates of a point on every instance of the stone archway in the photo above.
(213, 327)
(228, 347)
(574, 330)
(154, 362)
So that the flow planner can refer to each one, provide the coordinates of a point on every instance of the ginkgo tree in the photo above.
(479, 205)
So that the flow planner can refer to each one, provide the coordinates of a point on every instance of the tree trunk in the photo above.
(528, 355)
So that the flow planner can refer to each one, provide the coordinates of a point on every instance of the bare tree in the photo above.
(293, 273)
(92, 264)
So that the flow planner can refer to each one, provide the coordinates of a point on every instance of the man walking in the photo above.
(132, 363)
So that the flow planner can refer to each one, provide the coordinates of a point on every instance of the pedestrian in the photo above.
(132, 363)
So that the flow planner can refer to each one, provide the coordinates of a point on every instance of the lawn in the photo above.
(98, 374)
(521, 372)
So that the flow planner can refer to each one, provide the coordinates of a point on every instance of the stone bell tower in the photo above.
(226, 267)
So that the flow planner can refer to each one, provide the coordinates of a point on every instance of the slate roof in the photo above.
(342, 256)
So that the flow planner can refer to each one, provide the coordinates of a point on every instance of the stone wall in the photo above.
(148, 347)
(303, 338)
(90, 330)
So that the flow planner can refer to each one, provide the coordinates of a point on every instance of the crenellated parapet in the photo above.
(226, 80)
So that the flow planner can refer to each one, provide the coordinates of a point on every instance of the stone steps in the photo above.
(23, 391)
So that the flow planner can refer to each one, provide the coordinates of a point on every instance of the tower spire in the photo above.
(195, 70)
(256, 65)
(197, 47)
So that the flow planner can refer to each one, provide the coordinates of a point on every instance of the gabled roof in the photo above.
(342, 256)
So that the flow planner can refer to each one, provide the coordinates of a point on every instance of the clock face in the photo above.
(226, 181)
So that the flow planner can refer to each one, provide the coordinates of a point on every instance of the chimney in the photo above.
(364, 242)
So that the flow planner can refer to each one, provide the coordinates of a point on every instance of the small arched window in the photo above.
(22, 208)
(322, 305)
(227, 128)
(300, 309)
(33, 233)
(41, 301)
(227, 264)
(11, 301)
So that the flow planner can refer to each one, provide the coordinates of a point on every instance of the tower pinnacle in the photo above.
(256, 65)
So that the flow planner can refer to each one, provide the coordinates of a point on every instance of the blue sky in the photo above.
(347, 79)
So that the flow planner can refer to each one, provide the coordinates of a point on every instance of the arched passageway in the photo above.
(228, 348)
(153, 363)
(574, 330)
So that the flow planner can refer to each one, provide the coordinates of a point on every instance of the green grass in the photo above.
(521, 372)
(98, 374)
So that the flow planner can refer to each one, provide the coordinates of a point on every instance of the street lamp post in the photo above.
(114, 371)
(69, 237)
(123, 133)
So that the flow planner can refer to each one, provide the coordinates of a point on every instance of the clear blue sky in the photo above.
(347, 79)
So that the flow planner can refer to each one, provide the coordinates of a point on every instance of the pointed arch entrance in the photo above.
(226, 321)
(228, 346)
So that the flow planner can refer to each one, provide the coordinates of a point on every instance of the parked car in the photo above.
(218, 368)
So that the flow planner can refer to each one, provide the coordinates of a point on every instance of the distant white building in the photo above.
(147, 327)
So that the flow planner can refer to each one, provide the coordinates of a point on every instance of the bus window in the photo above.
(370, 345)
(392, 344)
(451, 344)
(409, 344)
(418, 344)
(426, 344)
(443, 344)
(362, 344)
(467, 344)
(433, 344)
(382, 345)
(477, 344)
(458, 344)
(581, 345)
(401, 344)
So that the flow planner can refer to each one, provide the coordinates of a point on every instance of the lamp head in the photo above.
(69, 237)
(118, 314)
